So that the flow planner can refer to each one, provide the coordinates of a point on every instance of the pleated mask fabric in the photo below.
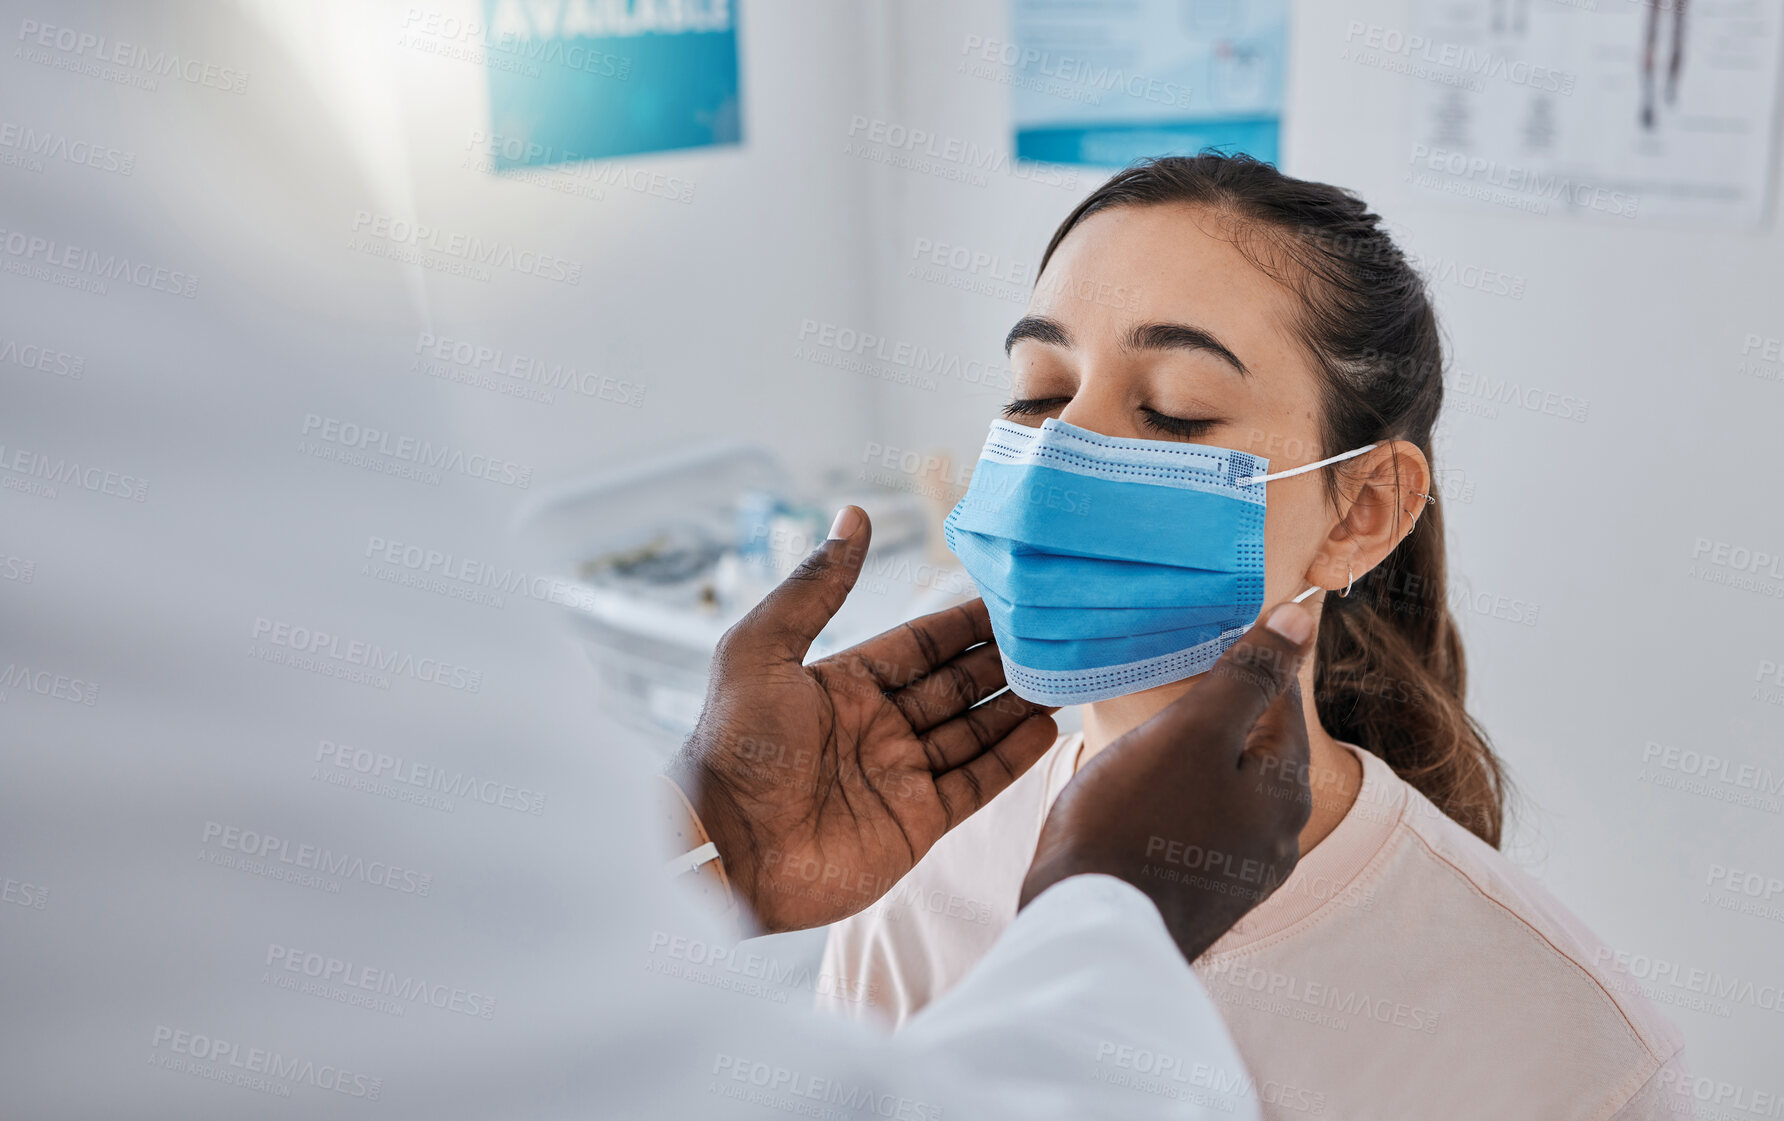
(1111, 565)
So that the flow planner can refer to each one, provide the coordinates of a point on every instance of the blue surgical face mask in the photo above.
(1109, 565)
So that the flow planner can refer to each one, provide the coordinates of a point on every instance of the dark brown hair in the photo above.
(1390, 675)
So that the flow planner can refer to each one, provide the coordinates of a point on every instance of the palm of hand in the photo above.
(822, 785)
(835, 822)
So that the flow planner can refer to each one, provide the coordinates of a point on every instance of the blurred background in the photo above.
(679, 279)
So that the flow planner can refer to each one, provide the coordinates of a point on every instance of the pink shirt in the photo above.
(1405, 970)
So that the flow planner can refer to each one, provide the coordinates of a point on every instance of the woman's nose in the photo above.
(1104, 408)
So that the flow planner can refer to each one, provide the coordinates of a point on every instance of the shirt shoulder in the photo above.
(1511, 899)
(1404, 937)
(1545, 970)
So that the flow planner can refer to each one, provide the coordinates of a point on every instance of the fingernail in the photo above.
(848, 520)
(1291, 621)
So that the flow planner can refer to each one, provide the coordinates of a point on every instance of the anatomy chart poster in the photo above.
(574, 80)
(1105, 82)
(1625, 110)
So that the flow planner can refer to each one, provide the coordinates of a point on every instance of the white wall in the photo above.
(1595, 522)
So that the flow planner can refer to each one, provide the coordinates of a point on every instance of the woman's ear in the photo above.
(1380, 498)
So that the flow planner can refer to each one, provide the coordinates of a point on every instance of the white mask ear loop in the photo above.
(1327, 462)
(1249, 479)
(1350, 579)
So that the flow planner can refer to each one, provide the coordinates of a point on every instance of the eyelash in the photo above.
(1185, 427)
(1033, 406)
(1188, 428)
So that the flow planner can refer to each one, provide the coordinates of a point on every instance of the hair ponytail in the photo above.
(1390, 674)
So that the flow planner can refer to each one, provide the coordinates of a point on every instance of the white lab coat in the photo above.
(290, 830)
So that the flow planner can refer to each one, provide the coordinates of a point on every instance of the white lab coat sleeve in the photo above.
(1085, 1009)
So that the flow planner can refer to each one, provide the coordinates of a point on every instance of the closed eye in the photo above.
(1034, 406)
(1186, 427)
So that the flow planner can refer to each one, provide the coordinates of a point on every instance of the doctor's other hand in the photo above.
(822, 784)
(1201, 807)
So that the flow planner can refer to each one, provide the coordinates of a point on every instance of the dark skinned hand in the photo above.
(823, 784)
(1201, 807)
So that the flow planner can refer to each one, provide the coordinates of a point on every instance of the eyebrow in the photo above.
(1180, 336)
(1146, 336)
(1040, 329)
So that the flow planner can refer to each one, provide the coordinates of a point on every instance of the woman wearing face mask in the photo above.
(1131, 513)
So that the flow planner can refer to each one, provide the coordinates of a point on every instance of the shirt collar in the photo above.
(1325, 877)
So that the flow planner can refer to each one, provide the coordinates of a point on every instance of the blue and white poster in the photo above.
(574, 80)
(1105, 82)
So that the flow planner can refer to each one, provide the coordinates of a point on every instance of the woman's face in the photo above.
(1200, 350)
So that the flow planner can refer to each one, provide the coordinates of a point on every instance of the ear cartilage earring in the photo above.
(1430, 499)
(1349, 579)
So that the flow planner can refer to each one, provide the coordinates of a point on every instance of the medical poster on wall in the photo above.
(1624, 110)
(573, 80)
(1104, 82)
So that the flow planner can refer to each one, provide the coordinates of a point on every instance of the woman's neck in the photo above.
(1334, 774)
